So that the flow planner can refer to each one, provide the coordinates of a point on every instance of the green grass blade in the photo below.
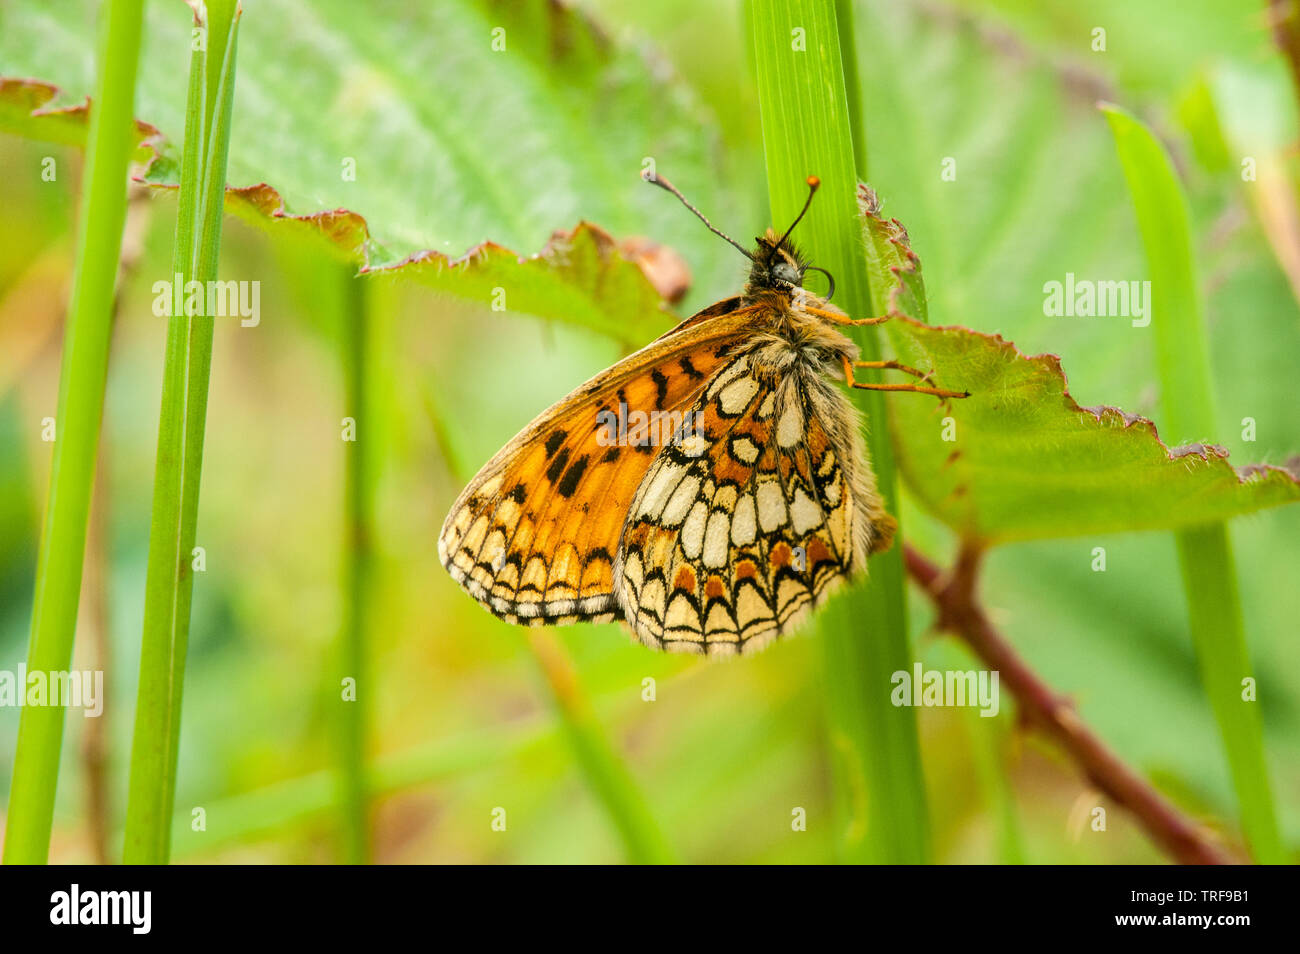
(357, 570)
(852, 84)
(80, 409)
(165, 559)
(880, 791)
(1204, 553)
(172, 532)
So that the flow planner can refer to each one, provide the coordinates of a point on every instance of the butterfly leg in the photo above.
(925, 376)
(839, 319)
(914, 388)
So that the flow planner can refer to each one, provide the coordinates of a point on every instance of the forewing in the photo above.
(736, 531)
(535, 534)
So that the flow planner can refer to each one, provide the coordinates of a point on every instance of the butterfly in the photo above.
(709, 489)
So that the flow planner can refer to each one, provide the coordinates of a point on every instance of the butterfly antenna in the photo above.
(667, 186)
(813, 184)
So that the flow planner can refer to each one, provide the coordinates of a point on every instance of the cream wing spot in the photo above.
(680, 502)
(666, 477)
(493, 548)
(719, 624)
(474, 538)
(804, 512)
(751, 610)
(634, 571)
(771, 505)
(694, 445)
(508, 512)
(735, 397)
(790, 426)
(832, 494)
(563, 562)
(827, 466)
(682, 615)
(715, 540)
(652, 597)
(534, 574)
(841, 527)
(789, 593)
(744, 526)
(661, 546)
(727, 375)
(693, 530)
(746, 451)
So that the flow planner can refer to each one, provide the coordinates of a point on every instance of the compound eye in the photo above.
(785, 272)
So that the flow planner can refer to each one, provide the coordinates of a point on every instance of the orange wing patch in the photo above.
(535, 535)
(735, 534)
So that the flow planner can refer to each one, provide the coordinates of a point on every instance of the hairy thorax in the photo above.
(788, 337)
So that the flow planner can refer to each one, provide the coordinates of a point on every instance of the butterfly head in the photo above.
(778, 266)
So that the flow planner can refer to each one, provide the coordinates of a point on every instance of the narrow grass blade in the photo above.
(357, 570)
(172, 532)
(81, 403)
(1204, 553)
(150, 751)
(879, 788)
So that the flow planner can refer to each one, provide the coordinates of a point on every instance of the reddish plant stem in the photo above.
(1284, 19)
(953, 594)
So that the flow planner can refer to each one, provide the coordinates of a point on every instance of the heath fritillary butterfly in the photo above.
(709, 489)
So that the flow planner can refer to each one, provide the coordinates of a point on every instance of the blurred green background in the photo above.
(460, 720)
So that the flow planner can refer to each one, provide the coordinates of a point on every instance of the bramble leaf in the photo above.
(1020, 459)
(394, 136)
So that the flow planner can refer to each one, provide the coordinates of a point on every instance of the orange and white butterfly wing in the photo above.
(741, 527)
(534, 535)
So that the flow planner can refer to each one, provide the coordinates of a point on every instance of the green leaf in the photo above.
(1001, 172)
(406, 118)
(1025, 461)
(26, 110)
(581, 276)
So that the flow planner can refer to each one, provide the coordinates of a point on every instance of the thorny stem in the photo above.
(953, 594)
